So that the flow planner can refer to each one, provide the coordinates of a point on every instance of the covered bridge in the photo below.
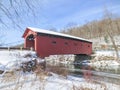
(46, 43)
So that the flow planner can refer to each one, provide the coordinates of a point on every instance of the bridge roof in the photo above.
(56, 33)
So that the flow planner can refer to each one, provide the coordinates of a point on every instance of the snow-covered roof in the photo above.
(56, 33)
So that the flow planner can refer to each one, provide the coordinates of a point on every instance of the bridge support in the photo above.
(81, 57)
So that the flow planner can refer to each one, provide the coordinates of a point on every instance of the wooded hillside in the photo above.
(94, 29)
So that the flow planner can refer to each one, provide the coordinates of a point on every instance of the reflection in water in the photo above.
(75, 68)
(79, 71)
(114, 69)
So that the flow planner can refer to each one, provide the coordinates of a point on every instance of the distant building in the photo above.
(47, 43)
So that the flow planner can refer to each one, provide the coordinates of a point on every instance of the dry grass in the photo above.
(12, 77)
(80, 87)
(9, 76)
(41, 76)
(1, 71)
(19, 78)
(101, 86)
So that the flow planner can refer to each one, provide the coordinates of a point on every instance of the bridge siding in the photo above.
(47, 45)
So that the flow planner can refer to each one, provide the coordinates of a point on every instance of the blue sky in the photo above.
(53, 14)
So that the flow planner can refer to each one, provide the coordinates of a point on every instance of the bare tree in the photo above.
(108, 27)
(118, 26)
(13, 11)
(112, 38)
(110, 31)
(16, 14)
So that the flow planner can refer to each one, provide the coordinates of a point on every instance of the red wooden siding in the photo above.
(46, 45)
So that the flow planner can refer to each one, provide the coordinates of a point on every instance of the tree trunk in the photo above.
(114, 45)
(112, 39)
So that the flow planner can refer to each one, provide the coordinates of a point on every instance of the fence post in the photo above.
(21, 48)
(8, 48)
(31, 48)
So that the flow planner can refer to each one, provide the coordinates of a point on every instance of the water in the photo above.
(111, 75)
(114, 69)
(77, 69)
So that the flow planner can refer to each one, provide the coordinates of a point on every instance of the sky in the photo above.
(49, 14)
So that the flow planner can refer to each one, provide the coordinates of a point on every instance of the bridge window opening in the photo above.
(75, 44)
(81, 44)
(66, 43)
(54, 42)
(30, 41)
(30, 37)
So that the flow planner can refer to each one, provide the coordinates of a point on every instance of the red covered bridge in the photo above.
(47, 43)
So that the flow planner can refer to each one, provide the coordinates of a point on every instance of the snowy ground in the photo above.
(105, 59)
(11, 59)
(56, 82)
(13, 55)
(106, 53)
(31, 81)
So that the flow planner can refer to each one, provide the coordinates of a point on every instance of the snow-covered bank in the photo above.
(106, 53)
(11, 60)
(18, 80)
(105, 61)
(13, 55)
(105, 58)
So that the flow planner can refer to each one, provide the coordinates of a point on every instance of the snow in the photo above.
(105, 62)
(11, 60)
(23, 81)
(6, 56)
(64, 59)
(2, 67)
(106, 53)
(55, 33)
(30, 82)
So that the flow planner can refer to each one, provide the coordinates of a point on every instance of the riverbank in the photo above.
(16, 79)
